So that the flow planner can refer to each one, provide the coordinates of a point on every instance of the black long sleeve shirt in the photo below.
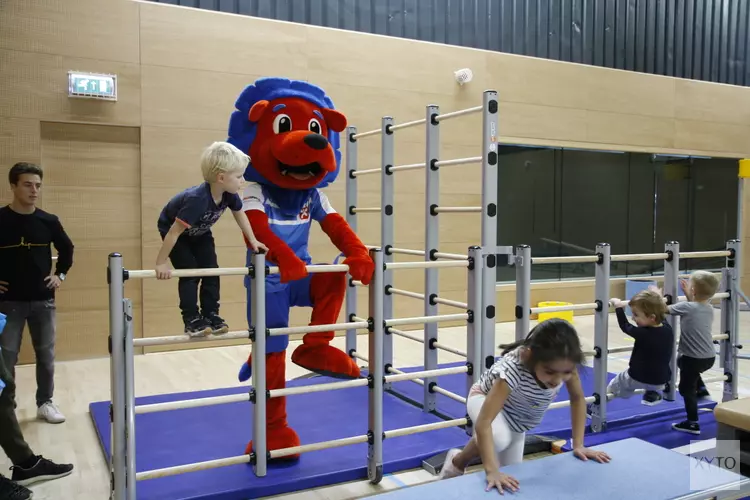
(652, 352)
(26, 254)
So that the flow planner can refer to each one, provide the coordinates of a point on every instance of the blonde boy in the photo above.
(696, 349)
(185, 228)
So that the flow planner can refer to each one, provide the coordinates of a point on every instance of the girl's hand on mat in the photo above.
(584, 454)
(499, 480)
(3, 286)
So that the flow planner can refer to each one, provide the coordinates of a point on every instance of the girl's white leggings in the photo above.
(509, 445)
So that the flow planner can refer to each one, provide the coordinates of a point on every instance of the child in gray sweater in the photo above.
(696, 349)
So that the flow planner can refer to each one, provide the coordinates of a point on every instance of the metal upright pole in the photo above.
(376, 370)
(474, 326)
(351, 219)
(724, 324)
(489, 154)
(731, 365)
(672, 293)
(431, 237)
(523, 290)
(387, 190)
(115, 278)
(601, 337)
(258, 336)
(129, 400)
(744, 173)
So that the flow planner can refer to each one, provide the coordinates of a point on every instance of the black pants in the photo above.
(196, 252)
(690, 375)
(11, 437)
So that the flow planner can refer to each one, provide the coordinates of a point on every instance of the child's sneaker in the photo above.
(651, 398)
(703, 393)
(449, 470)
(197, 326)
(43, 470)
(687, 426)
(218, 325)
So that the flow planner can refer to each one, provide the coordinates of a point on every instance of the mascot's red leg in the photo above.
(278, 433)
(327, 292)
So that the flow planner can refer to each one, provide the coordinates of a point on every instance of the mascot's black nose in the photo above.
(316, 141)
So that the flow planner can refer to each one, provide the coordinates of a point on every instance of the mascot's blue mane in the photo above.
(242, 130)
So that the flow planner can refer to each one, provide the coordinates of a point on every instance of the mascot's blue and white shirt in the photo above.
(294, 229)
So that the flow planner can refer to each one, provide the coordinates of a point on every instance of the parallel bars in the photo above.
(730, 304)
(122, 342)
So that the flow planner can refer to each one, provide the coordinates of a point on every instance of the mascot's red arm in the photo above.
(358, 259)
(291, 267)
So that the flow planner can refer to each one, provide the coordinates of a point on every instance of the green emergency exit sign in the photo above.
(92, 85)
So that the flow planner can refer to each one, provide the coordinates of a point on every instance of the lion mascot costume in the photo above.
(290, 131)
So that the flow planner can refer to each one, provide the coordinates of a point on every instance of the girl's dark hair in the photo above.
(550, 340)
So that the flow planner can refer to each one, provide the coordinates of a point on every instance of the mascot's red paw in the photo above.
(278, 439)
(325, 360)
(361, 268)
(291, 268)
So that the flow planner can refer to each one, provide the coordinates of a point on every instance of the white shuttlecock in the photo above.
(463, 75)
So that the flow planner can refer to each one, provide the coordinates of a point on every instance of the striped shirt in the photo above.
(294, 229)
(527, 402)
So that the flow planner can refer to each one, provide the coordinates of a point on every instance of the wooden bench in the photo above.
(733, 419)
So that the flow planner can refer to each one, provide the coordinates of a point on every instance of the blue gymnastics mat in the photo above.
(556, 423)
(637, 470)
(177, 437)
(656, 431)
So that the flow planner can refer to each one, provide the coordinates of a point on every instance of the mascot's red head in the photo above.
(290, 131)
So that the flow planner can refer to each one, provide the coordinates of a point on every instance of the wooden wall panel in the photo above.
(380, 63)
(36, 86)
(189, 98)
(711, 102)
(226, 45)
(712, 136)
(19, 141)
(106, 30)
(566, 85)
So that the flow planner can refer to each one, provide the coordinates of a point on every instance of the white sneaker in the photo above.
(449, 470)
(51, 413)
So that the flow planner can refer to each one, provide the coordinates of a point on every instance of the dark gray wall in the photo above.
(698, 39)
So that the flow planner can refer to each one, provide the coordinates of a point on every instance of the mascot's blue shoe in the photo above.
(245, 372)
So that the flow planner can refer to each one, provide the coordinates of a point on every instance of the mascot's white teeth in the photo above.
(300, 176)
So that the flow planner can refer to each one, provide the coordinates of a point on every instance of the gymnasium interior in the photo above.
(619, 122)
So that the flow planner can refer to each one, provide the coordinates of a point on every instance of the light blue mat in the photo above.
(638, 470)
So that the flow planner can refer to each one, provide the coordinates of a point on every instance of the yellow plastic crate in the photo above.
(566, 315)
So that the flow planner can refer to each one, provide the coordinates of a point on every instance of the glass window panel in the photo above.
(595, 187)
(640, 214)
(526, 205)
